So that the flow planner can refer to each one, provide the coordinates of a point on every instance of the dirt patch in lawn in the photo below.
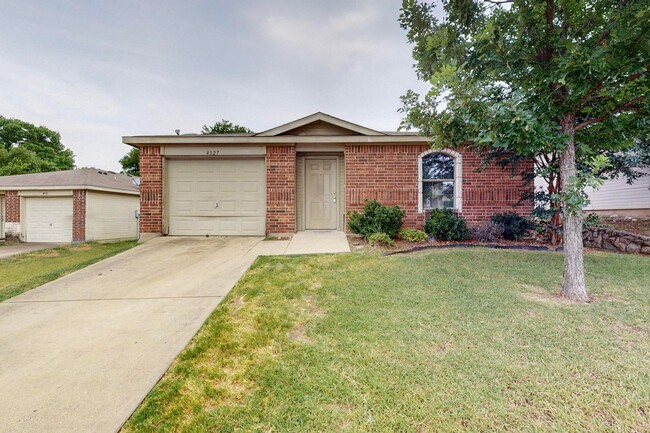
(538, 294)
(46, 254)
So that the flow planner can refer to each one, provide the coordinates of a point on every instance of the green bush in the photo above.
(514, 226)
(444, 225)
(591, 221)
(376, 218)
(412, 235)
(381, 239)
(487, 231)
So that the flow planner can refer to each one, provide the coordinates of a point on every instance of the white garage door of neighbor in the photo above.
(217, 197)
(111, 216)
(49, 219)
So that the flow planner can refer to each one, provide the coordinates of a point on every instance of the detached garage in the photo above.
(69, 206)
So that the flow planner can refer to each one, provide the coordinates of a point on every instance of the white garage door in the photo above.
(49, 219)
(216, 197)
(111, 216)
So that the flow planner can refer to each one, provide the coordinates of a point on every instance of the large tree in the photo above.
(27, 148)
(225, 127)
(561, 81)
(131, 161)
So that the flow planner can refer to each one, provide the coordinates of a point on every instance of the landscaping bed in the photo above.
(639, 226)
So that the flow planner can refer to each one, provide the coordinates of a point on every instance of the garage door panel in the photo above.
(238, 186)
(49, 219)
(228, 186)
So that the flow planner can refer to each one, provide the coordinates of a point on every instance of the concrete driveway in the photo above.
(80, 353)
(15, 248)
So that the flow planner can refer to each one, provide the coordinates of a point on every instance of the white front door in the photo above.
(321, 202)
(49, 219)
(217, 197)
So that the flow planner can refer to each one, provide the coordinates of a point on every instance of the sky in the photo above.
(97, 70)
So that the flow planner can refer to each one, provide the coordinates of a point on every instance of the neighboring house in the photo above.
(617, 197)
(305, 175)
(69, 206)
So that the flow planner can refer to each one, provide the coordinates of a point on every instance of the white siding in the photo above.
(48, 219)
(617, 194)
(111, 216)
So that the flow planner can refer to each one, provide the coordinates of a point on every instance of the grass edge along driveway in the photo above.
(444, 340)
(24, 272)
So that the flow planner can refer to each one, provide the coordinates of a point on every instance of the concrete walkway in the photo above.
(307, 242)
(79, 354)
(15, 248)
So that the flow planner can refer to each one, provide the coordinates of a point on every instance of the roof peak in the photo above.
(319, 116)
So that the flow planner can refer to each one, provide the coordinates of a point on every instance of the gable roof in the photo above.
(81, 178)
(319, 128)
(287, 128)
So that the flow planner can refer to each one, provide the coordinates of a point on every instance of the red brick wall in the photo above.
(280, 189)
(151, 189)
(12, 207)
(389, 174)
(492, 190)
(78, 215)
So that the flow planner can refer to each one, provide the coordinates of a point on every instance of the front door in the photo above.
(321, 203)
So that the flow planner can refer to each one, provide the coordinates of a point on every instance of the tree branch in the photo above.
(629, 105)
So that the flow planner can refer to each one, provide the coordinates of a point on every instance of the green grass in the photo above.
(438, 341)
(24, 272)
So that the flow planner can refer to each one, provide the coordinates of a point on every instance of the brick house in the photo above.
(305, 175)
(79, 205)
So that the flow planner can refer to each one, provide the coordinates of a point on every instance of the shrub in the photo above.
(444, 225)
(591, 221)
(381, 239)
(514, 226)
(412, 235)
(376, 218)
(487, 231)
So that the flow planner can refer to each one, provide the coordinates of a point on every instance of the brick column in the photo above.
(281, 189)
(151, 189)
(78, 215)
(12, 214)
(12, 207)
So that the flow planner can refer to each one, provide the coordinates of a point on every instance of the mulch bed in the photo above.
(639, 226)
(403, 247)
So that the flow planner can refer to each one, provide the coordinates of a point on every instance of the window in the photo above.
(440, 178)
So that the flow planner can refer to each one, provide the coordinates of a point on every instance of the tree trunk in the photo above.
(573, 286)
(554, 187)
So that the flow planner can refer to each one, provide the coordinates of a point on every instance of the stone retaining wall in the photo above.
(614, 240)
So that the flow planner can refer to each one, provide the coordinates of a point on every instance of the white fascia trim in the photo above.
(458, 177)
(199, 140)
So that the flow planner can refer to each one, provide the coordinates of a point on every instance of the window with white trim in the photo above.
(440, 177)
(438, 181)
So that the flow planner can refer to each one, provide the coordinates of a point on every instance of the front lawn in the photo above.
(445, 340)
(27, 271)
